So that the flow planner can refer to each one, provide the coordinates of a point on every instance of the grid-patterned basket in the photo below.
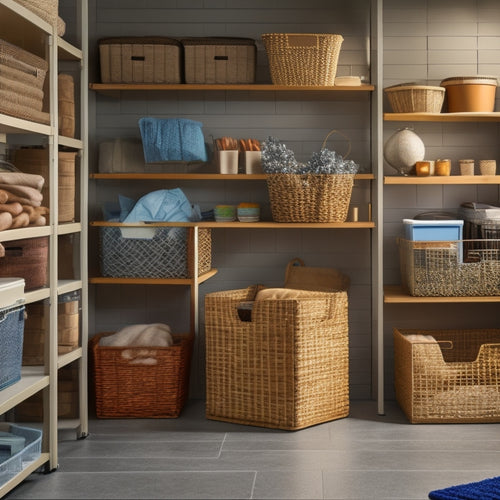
(310, 197)
(415, 98)
(302, 58)
(448, 376)
(166, 255)
(287, 368)
(460, 268)
(126, 388)
(11, 344)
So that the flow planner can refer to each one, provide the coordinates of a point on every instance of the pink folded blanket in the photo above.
(21, 179)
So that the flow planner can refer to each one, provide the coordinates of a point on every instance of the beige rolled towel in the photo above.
(5, 220)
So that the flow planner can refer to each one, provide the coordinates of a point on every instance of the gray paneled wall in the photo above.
(244, 257)
(427, 41)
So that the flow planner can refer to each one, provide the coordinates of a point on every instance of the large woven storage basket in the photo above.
(169, 254)
(125, 388)
(22, 75)
(219, 60)
(310, 197)
(36, 161)
(302, 58)
(287, 368)
(140, 60)
(27, 259)
(415, 98)
(448, 376)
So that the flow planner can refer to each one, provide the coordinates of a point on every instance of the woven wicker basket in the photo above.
(453, 377)
(127, 389)
(36, 161)
(140, 60)
(27, 259)
(310, 197)
(46, 10)
(302, 58)
(287, 368)
(415, 98)
(66, 104)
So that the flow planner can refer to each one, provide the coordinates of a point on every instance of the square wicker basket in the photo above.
(287, 368)
(448, 376)
(126, 388)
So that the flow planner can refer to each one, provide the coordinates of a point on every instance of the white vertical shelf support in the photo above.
(377, 201)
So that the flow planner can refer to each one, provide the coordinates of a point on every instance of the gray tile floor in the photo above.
(364, 456)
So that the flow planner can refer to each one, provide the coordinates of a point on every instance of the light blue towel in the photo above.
(172, 139)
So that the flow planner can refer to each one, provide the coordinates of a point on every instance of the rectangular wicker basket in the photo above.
(302, 58)
(125, 388)
(287, 368)
(22, 77)
(448, 376)
(310, 197)
(219, 60)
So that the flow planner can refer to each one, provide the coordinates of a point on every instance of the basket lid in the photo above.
(217, 40)
(470, 80)
(150, 40)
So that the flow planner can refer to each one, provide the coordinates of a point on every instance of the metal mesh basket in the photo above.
(11, 344)
(166, 255)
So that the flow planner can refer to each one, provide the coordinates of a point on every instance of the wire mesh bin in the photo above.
(448, 376)
(287, 368)
(11, 465)
(460, 268)
(168, 254)
(141, 382)
(11, 344)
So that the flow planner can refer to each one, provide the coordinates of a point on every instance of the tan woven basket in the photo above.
(415, 98)
(287, 368)
(127, 389)
(310, 197)
(448, 376)
(302, 58)
(46, 10)
(66, 104)
(36, 161)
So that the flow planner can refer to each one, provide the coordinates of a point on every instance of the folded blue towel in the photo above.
(172, 139)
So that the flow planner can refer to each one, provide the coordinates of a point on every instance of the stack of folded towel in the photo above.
(21, 200)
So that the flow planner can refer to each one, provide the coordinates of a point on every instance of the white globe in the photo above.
(403, 149)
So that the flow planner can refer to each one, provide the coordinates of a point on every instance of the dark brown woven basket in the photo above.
(125, 389)
(27, 259)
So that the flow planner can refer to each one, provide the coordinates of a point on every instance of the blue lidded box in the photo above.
(433, 230)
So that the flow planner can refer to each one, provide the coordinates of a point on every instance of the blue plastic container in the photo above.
(433, 230)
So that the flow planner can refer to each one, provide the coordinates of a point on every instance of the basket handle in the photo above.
(344, 136)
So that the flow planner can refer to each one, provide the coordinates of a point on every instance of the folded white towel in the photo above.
(154, 334)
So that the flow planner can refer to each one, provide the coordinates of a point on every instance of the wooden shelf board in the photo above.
(245, 225)
(258, 87)
(439, 179)
(191, 177)
(394, 294)
(442, 117)
(152, 281)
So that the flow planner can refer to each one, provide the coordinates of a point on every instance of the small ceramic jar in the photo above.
(443, 167)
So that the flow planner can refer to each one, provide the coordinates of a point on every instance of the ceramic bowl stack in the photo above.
(225, 213)
(248, 212)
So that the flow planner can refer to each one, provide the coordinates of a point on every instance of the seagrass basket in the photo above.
(302, 58)
(310, 197)
(126, 388)
(415, 98)
(448, 376)
(287, 368)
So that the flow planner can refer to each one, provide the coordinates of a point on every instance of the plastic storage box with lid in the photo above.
(433, 230)
(11, 330)
(222, 60)
(140, 60)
